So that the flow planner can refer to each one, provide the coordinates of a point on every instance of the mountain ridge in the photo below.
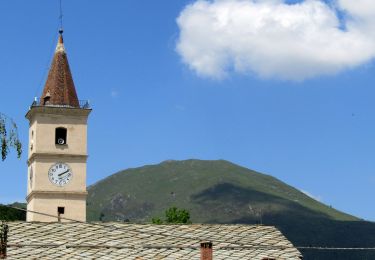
(263, 182)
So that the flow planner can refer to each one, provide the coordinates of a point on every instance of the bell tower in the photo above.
(57, 151)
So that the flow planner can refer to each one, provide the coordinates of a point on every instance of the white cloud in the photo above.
(359, 8)
(114, 93)
(273, 39)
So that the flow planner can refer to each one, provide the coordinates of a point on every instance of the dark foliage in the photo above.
(173, 215)
(10, 214)
(8, 137)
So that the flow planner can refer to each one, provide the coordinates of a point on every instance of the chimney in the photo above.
(3, 240)
(206, 251)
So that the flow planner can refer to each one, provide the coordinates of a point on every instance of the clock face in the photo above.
(60, 174)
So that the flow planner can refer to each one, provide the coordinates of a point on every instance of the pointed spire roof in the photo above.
(59, 89)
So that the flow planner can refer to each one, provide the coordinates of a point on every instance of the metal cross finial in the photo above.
(61, 18)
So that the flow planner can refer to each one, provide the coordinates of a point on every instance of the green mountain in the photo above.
(11, 214)
(213, 191)
(222, 192)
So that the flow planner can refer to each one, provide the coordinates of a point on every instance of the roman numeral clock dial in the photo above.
(60, 174)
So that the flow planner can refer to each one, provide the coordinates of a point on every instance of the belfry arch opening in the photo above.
(61, 136)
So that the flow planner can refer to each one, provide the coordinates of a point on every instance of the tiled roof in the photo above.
(59, 88)
(144, 241)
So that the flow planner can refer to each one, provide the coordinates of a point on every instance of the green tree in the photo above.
(9, 137)
(174, 215)
(157, 221)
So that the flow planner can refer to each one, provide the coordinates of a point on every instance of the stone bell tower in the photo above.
(57, 147)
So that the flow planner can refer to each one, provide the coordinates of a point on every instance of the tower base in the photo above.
(44, 206)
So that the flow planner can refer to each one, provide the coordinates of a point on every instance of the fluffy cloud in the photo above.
(274, 39)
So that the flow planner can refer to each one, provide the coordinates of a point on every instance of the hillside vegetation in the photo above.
(209, 189)
(222, 192)
(11, 214)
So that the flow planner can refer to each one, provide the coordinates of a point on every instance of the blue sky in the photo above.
(299, 106)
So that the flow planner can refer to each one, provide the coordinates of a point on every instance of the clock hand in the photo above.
(63, 173)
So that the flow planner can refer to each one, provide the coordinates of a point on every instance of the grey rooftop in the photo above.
(114, 240)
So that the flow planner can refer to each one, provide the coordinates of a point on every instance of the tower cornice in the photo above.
(56, 194)
(57, 110)
(56, 157)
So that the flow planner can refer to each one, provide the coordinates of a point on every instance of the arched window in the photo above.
(60, 136)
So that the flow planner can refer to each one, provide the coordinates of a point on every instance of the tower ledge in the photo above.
(83, 110)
